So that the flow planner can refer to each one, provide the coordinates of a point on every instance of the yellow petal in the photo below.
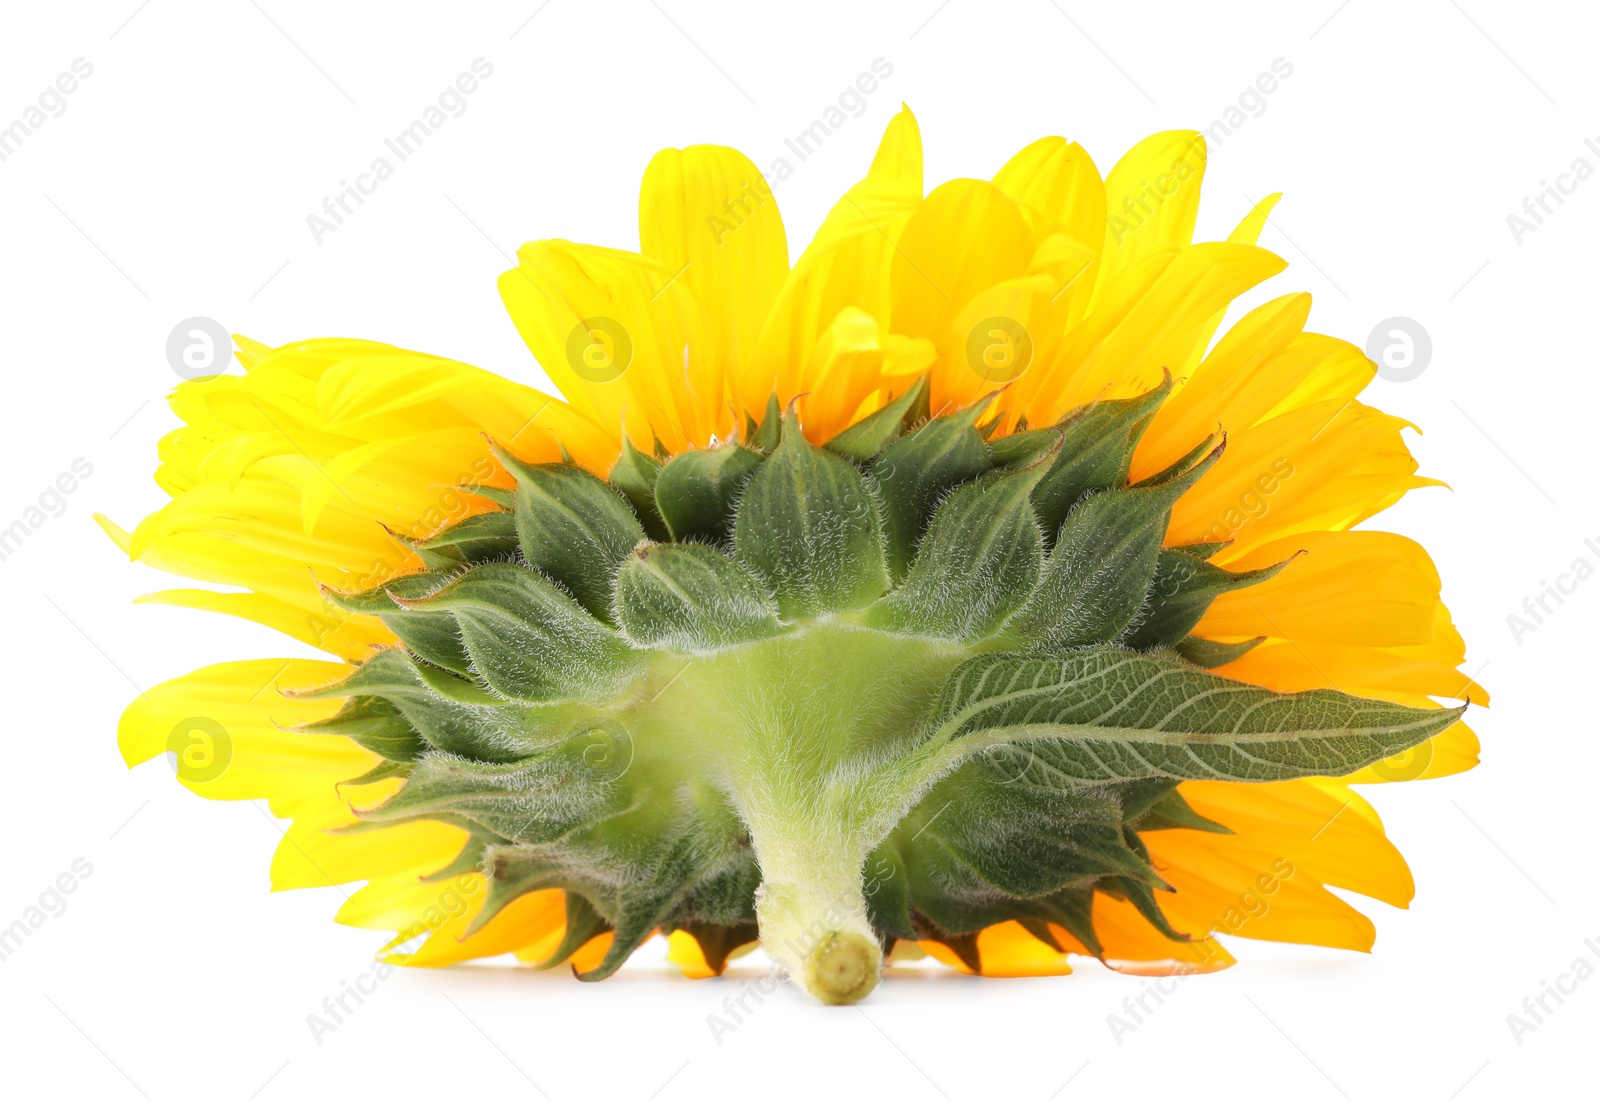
(621, 335)
(845, 265)
(1152, 199)
(966, 237)
(1364, 588)
(707, 213)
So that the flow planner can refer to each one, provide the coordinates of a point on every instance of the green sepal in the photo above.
(584, 923)
(1022, 449)
(765, 436)
(1203, 552)
(914, 473)
(639, 908)
(887, 889)
(1144, 900)
(432, 637)
(808, 528)
(1180, 592)
(377, 725)
(504, 499)
(450, 713)
(634, 475)
(1184, 462)
(718, 942)
(533, 801)
(978, 562)
(1105, 714)
(469, 861)
(1006, 822)
(964, 945)
(529, 640)
(379, 772)
(691, 599)
(1210, 655)
(870, 435)
(1171, 811)
(574, 529)
(1098, 575)
(1098, 448)
(697, 490)
(1072, 908)
(486, 537)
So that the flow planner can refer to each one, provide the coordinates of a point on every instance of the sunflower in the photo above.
(954, 590)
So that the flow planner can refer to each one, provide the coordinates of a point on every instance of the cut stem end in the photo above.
(843, 969)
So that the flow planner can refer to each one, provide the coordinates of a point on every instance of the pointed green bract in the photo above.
(695, 491)
(487, 537)
(978, 562)
(574, 529)
(1099, 572)
(870, 435)
(1181, 590)
(906, 685)
(634, 475)
(530, 641)
(432, 637)
(808, 528)
(1097, 448)
(1212, 655)
(691, 599)
(914, 473)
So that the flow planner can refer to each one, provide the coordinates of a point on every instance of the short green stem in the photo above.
(817, 931)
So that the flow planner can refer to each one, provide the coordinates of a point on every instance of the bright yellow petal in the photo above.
(707, 214)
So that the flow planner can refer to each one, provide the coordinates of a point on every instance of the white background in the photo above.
(178, 183)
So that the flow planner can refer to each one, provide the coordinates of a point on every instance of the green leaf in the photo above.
(870, 435)
(574, 529)
(1209, 655)
(1109, 714)
(1095, 454)
(916, 471)
(977, 564)
(691, 599)
(1180, 592)
(634, 475)
(529, 640)
(808, 527)
(696, 491)
(1097, 578)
